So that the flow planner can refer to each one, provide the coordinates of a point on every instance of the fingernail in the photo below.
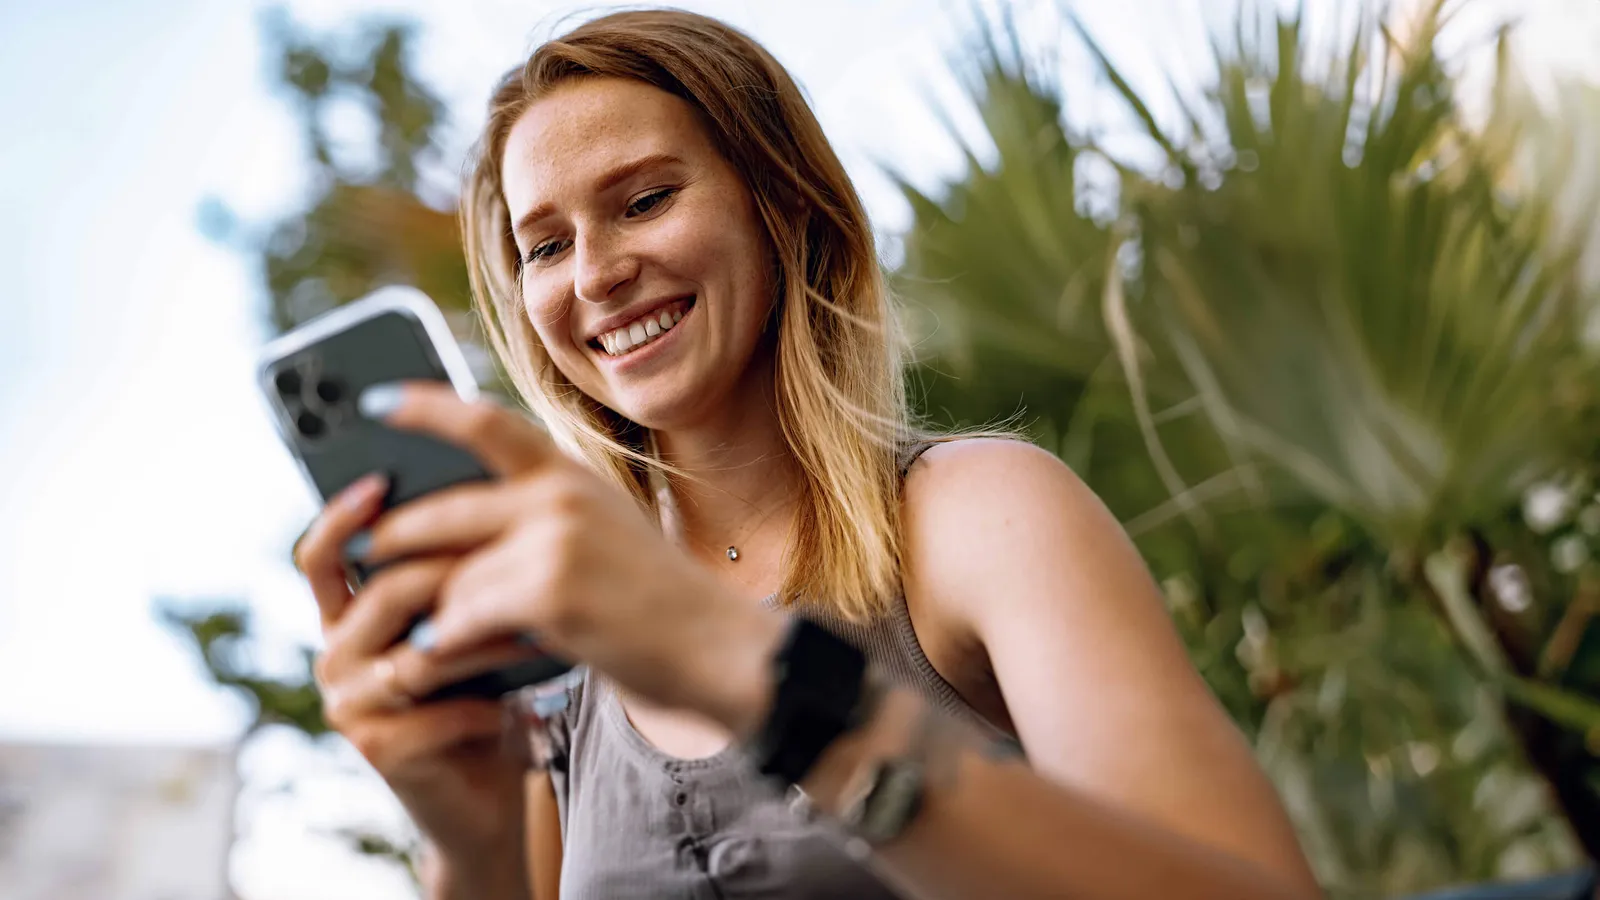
(359, 545)
(424, 637)
(362, 490)
(380, 400)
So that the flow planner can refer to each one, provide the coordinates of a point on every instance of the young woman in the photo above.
(678, 275)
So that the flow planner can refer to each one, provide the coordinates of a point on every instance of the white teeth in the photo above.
(641, 331)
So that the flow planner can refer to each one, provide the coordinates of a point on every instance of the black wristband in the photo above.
(818, 681)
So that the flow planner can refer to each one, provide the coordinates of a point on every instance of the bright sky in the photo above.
(138, 460)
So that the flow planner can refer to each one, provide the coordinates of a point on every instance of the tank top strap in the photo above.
(908, 453)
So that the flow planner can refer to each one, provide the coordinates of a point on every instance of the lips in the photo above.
(642, 330)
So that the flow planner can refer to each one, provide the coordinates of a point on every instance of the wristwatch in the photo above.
(819, 684)
(823, 690)
(888, 798)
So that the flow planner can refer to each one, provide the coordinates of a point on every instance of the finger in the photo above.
(453, 520)
(386, 606)
(428, 673)
(393, 742)
(504, 441)
(392, 681)
(319, 552)
(373, 686)
(493, 595)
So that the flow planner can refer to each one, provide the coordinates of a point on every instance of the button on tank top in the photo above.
(639, 823)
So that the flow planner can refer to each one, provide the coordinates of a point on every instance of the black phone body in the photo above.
(312, 376)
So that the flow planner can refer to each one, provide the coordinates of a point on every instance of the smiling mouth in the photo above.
(643, 331)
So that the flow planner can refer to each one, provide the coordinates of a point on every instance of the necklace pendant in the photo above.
(733, 552)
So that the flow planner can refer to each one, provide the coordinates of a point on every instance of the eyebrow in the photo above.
(608, 180)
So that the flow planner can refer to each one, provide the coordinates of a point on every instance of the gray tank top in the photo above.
(638, 823)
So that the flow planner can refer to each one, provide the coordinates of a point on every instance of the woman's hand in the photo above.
(550, 549)
(449, 763)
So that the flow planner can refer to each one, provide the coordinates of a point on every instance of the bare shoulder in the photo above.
(975, 505)
(976, 513)
(1011, 557)
(969, 470)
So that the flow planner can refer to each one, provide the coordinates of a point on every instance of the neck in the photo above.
(741, 481)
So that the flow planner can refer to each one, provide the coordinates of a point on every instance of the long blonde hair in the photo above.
(839, 362)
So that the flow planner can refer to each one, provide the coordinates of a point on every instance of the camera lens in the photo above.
(310, 425)
(329, 391)
(287, 381)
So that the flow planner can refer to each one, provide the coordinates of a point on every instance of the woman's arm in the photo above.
(535, 877)
(1137, 785)
(544, 838)
(502, 878)
(992, 827)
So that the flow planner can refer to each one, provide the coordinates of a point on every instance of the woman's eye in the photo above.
(541, 252)
(649, 201)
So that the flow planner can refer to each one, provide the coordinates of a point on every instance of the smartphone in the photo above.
(311, 377)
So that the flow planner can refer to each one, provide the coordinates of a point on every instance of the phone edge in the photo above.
(403, 299)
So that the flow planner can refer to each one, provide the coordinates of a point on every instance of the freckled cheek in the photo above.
(680, 246)
(746, 265)
(550, 323)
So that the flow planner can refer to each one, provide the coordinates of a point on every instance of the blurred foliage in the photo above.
(365, 223)
(1315, 359)
(1326, 360)
(372, 215)
(221, 635)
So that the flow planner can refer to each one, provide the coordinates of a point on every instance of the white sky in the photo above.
(137, 461)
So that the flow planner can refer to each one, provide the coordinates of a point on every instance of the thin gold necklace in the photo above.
(663, 488)
(733, 549)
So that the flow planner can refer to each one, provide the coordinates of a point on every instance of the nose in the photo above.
(603, 266)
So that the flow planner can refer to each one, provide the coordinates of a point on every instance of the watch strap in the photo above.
(818, 685)
(891, 796)
(889, 793)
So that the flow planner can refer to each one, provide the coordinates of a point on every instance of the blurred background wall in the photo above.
(1308, 303)
(115, 821)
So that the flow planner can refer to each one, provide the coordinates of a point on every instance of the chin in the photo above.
(660, 413)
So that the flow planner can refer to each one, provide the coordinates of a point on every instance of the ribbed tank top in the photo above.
(638, 823)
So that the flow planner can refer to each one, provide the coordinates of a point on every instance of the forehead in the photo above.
(587, 126)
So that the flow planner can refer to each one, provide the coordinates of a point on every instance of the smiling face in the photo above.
(645, 271)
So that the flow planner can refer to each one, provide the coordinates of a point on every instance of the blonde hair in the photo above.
(839, 367)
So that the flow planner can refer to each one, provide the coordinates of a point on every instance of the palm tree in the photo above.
(1315, 359)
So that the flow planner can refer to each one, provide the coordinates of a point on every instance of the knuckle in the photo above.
(564, 503)
(567, 498)
(321, 669)
(482, 419)
(336, 713)
(369, 743)
(564, 534)
(308, 547)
